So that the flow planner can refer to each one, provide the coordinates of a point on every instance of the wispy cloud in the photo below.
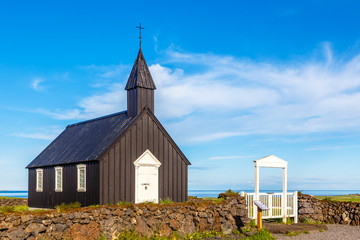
(41, 136)
(331, 147)
(119, 71)
(110, 100)
(199, 168)
(293, 98)
(45, 133)
(213, 97)
(35, 84)
(230, 157)
(323, 183)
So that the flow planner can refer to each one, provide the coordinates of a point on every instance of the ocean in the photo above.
(215, 193)
(10, 193)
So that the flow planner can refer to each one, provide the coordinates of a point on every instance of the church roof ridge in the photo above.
(96, 119)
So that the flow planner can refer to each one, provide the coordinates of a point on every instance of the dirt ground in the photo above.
(333, 232)
(278, 228)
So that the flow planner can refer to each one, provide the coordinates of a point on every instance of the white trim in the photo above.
(146, 159)
(271, 161)
(81, 167)
(39, 187)
(60, 189)
(153, 162)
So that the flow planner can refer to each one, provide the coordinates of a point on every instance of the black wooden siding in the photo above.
(48, 198)
(117, 171)
(138, 99)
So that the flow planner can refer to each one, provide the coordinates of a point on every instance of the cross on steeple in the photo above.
(139, 27)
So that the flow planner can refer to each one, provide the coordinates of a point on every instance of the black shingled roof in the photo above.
(83, 141)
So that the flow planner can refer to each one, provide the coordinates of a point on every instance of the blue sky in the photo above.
(236, 81)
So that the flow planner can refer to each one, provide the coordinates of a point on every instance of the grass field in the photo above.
(341, 198)
(7, 197)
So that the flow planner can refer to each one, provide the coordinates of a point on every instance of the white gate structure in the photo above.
(281, 205)
(274, 202)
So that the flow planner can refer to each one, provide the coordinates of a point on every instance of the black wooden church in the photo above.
(126, 156)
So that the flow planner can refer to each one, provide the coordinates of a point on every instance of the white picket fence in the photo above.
(273, 201)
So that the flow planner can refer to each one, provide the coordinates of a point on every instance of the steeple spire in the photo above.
(140, 75)
(140, 87)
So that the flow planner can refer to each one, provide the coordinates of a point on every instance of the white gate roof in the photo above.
(271, 161)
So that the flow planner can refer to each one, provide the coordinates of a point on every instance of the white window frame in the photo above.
(39, 172)
(60, 169)
(79, 168)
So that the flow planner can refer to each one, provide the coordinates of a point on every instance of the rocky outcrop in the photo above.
(146, 219)
(311, 209)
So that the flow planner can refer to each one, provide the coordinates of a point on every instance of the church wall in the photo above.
(48, 198)
(117, 171)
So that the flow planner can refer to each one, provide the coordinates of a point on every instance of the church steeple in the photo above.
(140, 87)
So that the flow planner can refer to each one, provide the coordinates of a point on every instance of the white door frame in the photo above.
(146, 159)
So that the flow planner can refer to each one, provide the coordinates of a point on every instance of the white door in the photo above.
(147, 184)
(147, 178)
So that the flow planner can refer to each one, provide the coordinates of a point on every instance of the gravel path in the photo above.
(334, 232)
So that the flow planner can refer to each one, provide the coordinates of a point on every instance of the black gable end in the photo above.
(117, 168)
(158, 124)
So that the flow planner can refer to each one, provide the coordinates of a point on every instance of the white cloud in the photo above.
(41, 136)
(212, 97)
(46, 133)
(294, 98)
(35, 84)
(112, 100)
(229, 157)
(331, 147)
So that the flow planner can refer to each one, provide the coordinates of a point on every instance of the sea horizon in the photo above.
(212, 193)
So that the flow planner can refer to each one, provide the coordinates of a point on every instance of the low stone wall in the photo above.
(146, 219)
(311, 209)
(13, 201)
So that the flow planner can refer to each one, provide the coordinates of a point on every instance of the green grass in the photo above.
(94, 206)
(217, 200)
(263, 234)
(121, 203)
(166, 201)
(340, 198)
(209, 198)
(202, 235)
(310, 221)
(64, 207)
(231, 192)
(10, 197)
(213, 199)
(292, 233)
(252, 224)
(192, 197)
(9, 209)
